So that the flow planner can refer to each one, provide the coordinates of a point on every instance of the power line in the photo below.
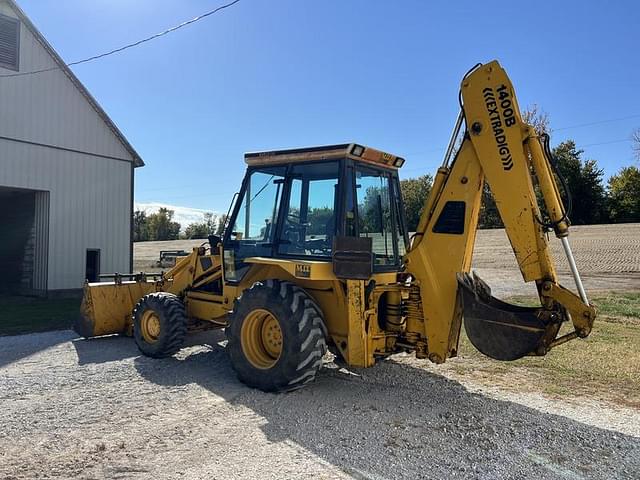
(130, 45)
(604, 143)
(599, 122)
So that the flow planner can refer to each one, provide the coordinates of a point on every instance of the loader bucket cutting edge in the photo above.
(84, 324)
(498, 329)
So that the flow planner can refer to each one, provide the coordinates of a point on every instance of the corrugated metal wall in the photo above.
(89, 206)
(53, 140)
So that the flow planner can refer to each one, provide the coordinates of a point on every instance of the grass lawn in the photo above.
(607, 362)
(28, 314)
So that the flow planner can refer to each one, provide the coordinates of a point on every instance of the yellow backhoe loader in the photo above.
(316, 256)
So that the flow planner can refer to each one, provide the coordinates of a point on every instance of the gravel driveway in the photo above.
(96, 409)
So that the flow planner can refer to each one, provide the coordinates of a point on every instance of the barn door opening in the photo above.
(24, 241)
(92, 272)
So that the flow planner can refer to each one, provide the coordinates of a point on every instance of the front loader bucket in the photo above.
(107, 307)
(500, 330)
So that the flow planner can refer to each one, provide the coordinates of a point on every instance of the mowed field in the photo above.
(96, 409)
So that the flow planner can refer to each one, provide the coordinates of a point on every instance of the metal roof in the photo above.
(353, 151)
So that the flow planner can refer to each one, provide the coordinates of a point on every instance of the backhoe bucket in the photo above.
(500, 330)
(107, 307)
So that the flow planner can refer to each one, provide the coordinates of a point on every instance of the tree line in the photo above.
(161, 226)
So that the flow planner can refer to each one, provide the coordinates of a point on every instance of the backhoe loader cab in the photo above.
(316, 256)
(296, 204)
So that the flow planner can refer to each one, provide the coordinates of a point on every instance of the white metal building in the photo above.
(66, 171)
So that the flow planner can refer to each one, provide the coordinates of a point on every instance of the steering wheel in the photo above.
(294, 233)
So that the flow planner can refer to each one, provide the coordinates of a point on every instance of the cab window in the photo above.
(253, 230)
(310, 213)
(375, 217)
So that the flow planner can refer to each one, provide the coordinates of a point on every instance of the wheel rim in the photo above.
(150, 326)
(261, 338)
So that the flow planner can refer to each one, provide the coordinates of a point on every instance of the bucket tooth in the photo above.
(501, 330)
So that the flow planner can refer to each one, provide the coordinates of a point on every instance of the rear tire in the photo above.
(159, 324)
(276, 337)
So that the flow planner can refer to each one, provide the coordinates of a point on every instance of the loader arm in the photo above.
(497, 147)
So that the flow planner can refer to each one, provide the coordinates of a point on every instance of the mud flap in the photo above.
(500, 330)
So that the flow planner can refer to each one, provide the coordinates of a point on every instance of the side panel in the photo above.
(437, 257)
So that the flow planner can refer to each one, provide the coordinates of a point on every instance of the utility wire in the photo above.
(599, 122)
(604, 143)
(130, 45)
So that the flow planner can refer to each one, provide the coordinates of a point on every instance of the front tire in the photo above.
(159, 324)
(276, 337)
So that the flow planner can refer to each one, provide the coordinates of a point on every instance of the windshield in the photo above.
(283, 211)
(253, 229)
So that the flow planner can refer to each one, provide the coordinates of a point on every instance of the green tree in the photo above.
(202, 229)
(585, 182)
(370, 210)
(537, 118)
(414, 194)
(162, 227)
(489, 215)
(321, 220)
(222, 220)
(196, 230)
(140, 226)
(624, 195)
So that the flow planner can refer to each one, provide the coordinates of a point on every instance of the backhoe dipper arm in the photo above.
(506, 152)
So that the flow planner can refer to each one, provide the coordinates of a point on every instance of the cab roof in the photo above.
(353, 151)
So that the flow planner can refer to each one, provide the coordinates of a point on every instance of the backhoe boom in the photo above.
(497, 147)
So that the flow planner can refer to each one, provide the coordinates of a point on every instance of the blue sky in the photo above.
(268, 74)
